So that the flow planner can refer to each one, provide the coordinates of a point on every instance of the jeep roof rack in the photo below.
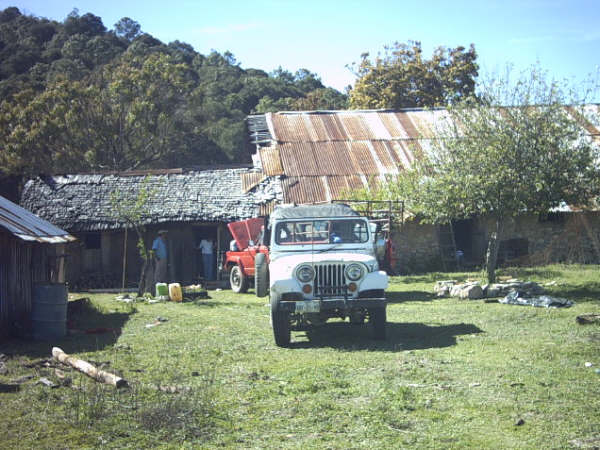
(383, 212)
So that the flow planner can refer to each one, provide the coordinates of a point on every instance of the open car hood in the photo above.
(245, 231)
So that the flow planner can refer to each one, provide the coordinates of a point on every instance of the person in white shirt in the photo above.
(206, 248)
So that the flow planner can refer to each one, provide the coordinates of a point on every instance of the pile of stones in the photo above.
(474, 289)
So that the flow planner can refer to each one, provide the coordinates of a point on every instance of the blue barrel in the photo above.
(49, 311)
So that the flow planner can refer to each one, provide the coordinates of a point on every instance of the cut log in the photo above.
(89, 369)
(586, 319)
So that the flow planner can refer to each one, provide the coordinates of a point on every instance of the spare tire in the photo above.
(260, 275)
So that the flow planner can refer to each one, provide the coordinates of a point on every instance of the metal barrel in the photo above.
(49, 311)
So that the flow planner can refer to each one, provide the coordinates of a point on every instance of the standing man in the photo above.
(206, 248)
(159, 247)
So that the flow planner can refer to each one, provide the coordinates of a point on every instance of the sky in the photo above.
(325, 36)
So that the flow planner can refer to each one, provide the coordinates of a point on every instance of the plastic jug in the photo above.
(162, 291)
(175, 293)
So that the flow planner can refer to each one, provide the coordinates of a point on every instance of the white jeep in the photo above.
(322, 265)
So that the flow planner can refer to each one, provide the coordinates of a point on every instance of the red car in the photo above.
(249, 247)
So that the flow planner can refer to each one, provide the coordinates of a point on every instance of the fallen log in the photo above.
(586, 319)
(89, 369)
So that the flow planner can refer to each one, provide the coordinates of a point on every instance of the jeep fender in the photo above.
(279, 287)
(374, 280)
(235, 261)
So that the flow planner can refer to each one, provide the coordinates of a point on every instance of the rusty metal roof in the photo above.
(271, 162)
(251, 180)
(320, 154)
(27, 226)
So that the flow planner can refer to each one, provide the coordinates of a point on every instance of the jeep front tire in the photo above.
(281, 326)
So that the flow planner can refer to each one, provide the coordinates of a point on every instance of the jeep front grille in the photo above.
(330, 280)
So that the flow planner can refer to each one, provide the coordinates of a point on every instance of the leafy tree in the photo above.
(321, 99)
(403, 78)
(134, 211)
(75, 97)
(501, 161)
(129, 117)
(88, 24)
(127, 28)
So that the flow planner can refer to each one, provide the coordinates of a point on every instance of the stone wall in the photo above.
(559, 237)
(527, 240)
(416, 248)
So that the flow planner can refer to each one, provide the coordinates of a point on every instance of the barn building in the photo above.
(32, 250)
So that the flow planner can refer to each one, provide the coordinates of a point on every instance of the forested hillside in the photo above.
(76, 96)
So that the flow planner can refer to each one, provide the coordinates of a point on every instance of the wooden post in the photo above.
(218, 251)
(88, 369)
(124, 259)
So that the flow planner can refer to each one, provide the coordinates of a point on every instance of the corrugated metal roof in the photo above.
(333, 158)
(271, 162)
(339, 187)
(321, 151)
(27, 226)
(351, 125)
(251, 179)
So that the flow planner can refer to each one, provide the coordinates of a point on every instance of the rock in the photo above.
(443, 284)
(46, 382)
(532, 288)
(442, 288)
(519, 422)
(455, 290)
(493, 291)
(3, 368)
(471, 292)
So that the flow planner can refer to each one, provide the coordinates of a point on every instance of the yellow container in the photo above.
(175, 293)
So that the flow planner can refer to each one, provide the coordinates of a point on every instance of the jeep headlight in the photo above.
(354, 272)
(305, 274)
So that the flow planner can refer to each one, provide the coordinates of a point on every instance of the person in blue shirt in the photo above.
(159, 247)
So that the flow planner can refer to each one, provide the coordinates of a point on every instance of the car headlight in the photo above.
(305, 274)
(354, 272)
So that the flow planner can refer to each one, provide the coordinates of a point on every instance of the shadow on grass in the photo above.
(409, 296)
(400, 336)
(90, 328)
(525, 273)
(210, 303)
(590, 292)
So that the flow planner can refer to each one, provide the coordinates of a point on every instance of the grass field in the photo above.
(452, 374)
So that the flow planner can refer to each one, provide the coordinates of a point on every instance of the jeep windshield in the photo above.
(311, 232)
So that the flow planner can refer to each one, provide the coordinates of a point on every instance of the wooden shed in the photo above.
(31, 251)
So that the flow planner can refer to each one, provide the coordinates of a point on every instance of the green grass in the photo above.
(452, 374)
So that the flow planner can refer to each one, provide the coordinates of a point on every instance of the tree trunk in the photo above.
(143, 276)
(491, 257)
(146, 257)
(89, 369)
